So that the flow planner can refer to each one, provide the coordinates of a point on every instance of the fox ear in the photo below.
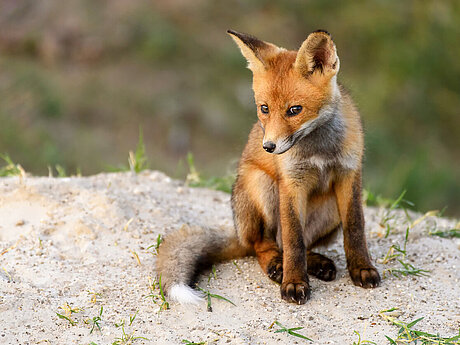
(318, 54)
(257, 52)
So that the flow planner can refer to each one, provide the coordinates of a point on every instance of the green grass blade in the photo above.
(299, 335)
(396, 203)
(413, 323)
(392, 342)
(452, 233)
(73, 323)
(222, 298)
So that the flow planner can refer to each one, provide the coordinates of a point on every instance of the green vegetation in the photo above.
(61, 171)
(68, 311)
(95, 321)
(157, 298)
(390, 205)
(398, 203)
(209, 295)
(10, 169)
(408, 335)
(290, 331)
(137, 160)
(446, 233)
(156, 246)
(194, 178)
(213, 273)
(188, 342)
(362, 342)
(406, 270)
(395, 252)
(398, 253)
(126, 338)
(72, 322)
(76, 95)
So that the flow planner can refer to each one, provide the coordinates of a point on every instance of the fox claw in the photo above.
(365, 277)
(295, 292)
(275, 270)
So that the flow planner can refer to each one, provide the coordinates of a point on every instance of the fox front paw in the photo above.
(295, 292)
(366, 277)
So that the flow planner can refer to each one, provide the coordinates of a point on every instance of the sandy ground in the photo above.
(74, 241)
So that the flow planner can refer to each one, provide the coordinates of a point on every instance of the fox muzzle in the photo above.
(269, 146)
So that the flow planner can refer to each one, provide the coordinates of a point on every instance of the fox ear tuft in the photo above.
(257, 52)
(318, 54)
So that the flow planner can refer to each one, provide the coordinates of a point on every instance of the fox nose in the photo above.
(269, 146)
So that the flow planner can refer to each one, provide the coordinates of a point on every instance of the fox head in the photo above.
(295, 92)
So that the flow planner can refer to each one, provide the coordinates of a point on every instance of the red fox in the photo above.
(298, 182)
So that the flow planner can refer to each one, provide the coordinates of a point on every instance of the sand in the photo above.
(84, 242)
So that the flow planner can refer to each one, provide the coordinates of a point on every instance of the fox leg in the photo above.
(255, 205)
(348, 193)
(295, 286)
(322, 225)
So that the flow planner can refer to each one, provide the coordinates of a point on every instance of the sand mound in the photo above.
(84, 243)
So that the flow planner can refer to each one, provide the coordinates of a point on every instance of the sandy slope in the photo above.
(71, 240)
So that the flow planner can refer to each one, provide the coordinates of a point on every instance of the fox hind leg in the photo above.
(270, 259)
(320, 266)
(255, 207)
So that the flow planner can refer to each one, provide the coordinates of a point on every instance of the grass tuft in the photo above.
(132, 317)
(194, 178)
(60, 171)
(68, 311)
(406, 270)
(156, 246)
(10, 169)
(290, 331)
(237, 267)
(211, 295)
(362, 342)
(160, 298)
(400, 203)
(212, 274)
(126, 339)
(395, 252)
(72, 322)
(137, 160)
(95, 321)
(408, 335)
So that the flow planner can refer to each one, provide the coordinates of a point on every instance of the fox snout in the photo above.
(269, 146)
(279, 146)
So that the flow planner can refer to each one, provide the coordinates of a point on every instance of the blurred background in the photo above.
(78, 78)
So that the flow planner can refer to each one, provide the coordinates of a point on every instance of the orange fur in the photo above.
(314, 187)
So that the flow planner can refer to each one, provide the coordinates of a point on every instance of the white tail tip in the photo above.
(184, 294)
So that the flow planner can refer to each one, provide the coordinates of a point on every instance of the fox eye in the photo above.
(264, 109)
(294, 110)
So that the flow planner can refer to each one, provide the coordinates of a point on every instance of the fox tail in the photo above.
(183, 252)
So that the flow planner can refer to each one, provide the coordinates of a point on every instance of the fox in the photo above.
(299, 179)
